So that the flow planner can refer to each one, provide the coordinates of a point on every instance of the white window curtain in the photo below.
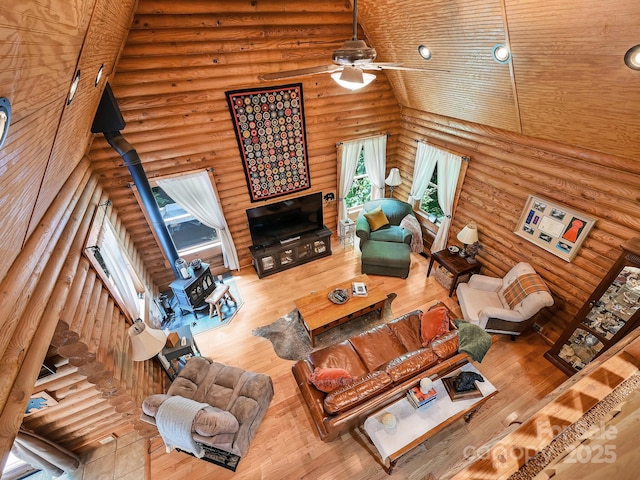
(448, 173)
(426, 160)
(375, 161)
(195, 194)
(119, 270)
(348, 164)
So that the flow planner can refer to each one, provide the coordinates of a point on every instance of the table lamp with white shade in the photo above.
(468, 236)
(146, 342)
(394, 179)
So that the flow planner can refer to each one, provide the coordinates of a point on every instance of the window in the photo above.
(188, 234)
(429, 201)
(360, 191)
(16, 468)
(113, 264)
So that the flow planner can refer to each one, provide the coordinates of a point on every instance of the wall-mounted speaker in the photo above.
(108, 117)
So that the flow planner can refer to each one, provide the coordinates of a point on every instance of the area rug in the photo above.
(199, 320)
(291, 342)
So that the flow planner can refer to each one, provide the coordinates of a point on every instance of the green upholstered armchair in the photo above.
(395, 210)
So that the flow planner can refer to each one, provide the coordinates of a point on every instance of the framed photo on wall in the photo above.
(554, 227)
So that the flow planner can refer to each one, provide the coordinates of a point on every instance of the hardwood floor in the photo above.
(286, 445)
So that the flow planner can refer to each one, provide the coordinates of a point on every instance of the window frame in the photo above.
(423, 217)
(93, 242)
(213, 252)
(196, 249)
(356, 208)
(418, 203)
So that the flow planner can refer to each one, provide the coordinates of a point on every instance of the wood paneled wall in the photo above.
(566, 80)
(42, 47)
(462, 79)
(507, 167)
(52, 302)
(178, 62)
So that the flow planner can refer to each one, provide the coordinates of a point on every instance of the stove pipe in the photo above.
(109, 121)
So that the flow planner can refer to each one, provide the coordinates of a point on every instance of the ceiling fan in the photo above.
(349, 63)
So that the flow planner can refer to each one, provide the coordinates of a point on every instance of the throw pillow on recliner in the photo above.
(523, 286)
(376, 219)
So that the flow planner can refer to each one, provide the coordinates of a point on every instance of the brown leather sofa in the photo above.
(387, 360)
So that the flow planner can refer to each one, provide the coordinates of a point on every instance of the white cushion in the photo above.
(483, 298)
(472, 302)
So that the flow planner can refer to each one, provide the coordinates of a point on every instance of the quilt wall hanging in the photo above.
(269, 126)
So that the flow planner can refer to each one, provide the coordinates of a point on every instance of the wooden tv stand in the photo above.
(291, 253)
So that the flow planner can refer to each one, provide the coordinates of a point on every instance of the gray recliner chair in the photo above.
(236, 402)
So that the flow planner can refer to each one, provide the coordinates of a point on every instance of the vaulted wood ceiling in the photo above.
(170, 63)
(565, 80)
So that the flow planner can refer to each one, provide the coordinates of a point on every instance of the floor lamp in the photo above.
(146, 342)
(393, 180)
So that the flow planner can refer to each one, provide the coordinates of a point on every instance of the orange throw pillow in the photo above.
(434, 323)
(328, 379)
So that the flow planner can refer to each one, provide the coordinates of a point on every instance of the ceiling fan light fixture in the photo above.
(353, 78)
(501, 53)
(354, 52)
(424, 52)
(632, 58)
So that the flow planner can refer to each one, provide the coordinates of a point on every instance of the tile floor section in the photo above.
(122, 459)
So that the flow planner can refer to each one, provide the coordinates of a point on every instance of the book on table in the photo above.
(359, 289)
(419, 399)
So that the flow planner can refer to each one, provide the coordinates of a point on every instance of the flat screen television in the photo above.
(269, 224)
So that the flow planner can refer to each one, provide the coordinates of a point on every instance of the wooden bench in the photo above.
(219, 295)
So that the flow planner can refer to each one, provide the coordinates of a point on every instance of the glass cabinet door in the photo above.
(609, 314)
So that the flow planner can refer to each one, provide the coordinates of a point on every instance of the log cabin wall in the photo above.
(180, 58)
(56, 306)
(178, 62)
(504, 169)
(51, 302)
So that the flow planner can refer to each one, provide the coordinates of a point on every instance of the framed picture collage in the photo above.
(553, 227)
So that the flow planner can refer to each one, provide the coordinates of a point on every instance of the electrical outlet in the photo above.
(107, 439)
(537, 327)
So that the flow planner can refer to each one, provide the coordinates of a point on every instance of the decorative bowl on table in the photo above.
(339, 296)
(453, 249)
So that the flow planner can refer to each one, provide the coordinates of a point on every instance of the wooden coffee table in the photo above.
(319, 314)
(415, 426)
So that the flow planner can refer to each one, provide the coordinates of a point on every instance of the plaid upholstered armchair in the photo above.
(504, 305)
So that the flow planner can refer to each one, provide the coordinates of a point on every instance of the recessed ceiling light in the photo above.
(501, 53)
(74, 87)
(632, 58)
(424, 52)
(99, 75)
(5, 119)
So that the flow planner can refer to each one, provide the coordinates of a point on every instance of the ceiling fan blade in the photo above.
(301, 72)
(396, 66)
